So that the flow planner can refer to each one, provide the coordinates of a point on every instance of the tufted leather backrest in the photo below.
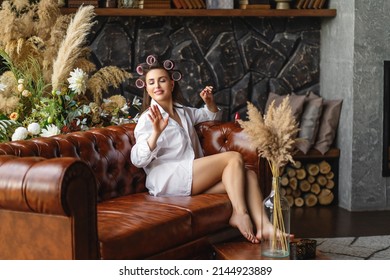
(107, 152)
(216, 137)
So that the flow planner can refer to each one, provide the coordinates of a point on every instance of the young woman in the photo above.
(168, 149)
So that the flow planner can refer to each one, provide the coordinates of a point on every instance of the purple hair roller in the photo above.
(176, 76)
(168, 65)
(139, 83)
(139, 70)
(150, 59)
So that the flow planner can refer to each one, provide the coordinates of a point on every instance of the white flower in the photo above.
(20, 87)
(20, 133)
(136, 101)
(125, 109)
(26, 93)
(34, 128)
(2, 87)
(50, 130)
(115, 120)
(78, 81)
(20, 81)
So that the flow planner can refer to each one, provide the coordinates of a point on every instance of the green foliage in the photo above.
(7, 127)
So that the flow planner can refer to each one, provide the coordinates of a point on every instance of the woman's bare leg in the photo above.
(264, 228)
(228, 167)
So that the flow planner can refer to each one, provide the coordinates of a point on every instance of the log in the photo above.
(325, 197)
(321, 180)
(329, 184)
(297, 164)
(330, 175)
(325, 167)
(284, 181)
(311, 179)
(311, 200)
(291, 172)
(290, 200)
(301, 174)
(313, 169)
(304, 185)
(299, 202)
(296, 193)
(315, 188)
(288, 190)
(293, 183)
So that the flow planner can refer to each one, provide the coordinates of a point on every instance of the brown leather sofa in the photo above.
(78, 196)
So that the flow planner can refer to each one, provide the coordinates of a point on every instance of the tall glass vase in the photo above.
(277, 210)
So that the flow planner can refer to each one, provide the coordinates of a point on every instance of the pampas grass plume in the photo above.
(105, 77)
(72, 45)
(274, 134)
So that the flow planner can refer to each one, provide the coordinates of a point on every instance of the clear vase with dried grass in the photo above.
(274, 136)
(277, 209)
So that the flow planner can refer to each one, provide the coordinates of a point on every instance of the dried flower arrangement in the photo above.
(48, 78)
(274, 137)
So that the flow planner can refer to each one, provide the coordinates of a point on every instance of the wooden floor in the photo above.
(315, 222)
(332, 221)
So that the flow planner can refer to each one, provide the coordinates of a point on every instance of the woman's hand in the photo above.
(159, 124)
(207, 95)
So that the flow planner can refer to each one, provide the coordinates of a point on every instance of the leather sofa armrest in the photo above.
(47, 186)
(39, 190)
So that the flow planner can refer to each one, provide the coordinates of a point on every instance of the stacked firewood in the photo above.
(308, 184)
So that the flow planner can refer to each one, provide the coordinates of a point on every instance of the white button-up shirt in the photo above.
(169, 166)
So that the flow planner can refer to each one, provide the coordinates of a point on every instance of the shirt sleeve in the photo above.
(204, 114)
(141, 155)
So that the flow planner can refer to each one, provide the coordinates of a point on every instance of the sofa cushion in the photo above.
(296, 102)
(131, 229)
(209, 212)
(149, 225)
(329, 123)
(310, 122)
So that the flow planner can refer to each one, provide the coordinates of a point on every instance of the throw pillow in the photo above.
(329, 122)
(296, 103)
(310, 122)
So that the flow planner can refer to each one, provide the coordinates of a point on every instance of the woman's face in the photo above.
(159, 85)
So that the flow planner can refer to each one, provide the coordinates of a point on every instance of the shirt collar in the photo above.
(175, 104)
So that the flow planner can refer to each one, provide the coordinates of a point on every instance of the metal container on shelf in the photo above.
(217, 4)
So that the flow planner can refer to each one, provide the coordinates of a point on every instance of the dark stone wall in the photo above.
(242, 58)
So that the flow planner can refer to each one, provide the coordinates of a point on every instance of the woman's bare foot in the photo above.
(244, 224)
(267, 231)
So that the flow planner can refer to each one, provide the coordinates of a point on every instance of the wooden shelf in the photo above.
(333, 153)
(211, 13)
